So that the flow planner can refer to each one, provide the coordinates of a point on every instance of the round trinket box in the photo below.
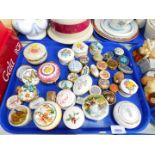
(65, 56)
(97, 57)
(104, 75)
(125, 69)
(84, 59)
(123, 60)
(85, 70)
(35, 53)
(95, 90)
(82, 85)
(128, 88)
(95, 107)
(127, 114)
(36, 103)
(51, 96)
(108, 55)
(112, 64)
(47, 116)
(29, 77)
(65, 98)
(80, 49)
(73, 117)
(13, 101)
(114, 88)
(19, 116)
(102, 65)
(96, 47)
(118, 77)
(94, 71)
(72, 77)
(110, 97)
(20, 71)
(75, 66)
(118, 51)
(65, 84)
(27, 93)
(49, 72)
(104, 84)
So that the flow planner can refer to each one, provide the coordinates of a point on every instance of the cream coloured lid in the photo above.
(69, 21)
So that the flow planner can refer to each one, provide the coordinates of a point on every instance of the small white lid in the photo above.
(34, 51)
(127, 114)
(82, 85)
(129, 86)
(73, 117)
(66, 98)
(66, 54)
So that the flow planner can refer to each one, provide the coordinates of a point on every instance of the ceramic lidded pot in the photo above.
(69, 31)
(34, 29)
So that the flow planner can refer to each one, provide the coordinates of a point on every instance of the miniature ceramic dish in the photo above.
(95, 90)
(118, 51)
(49, 72)
(112, 64)
(94, 71)
(85, 70)
(72, 77)
(104, 75)
(20, 71)
(82, 85)
(35, 53)
(80, 49)
(110, 97)
(123, 60)
(65, 56)
(19, 116)
(95, 47)
(108, 55)
(29, 77)
(127, 114)
(125, 69)
(65, 84)
(47, 116)
(51, 96)
(101, 65)
(128, 88)
(84, 59)
(104, 84)
(36, 103)
(27, 93)
(118, 77)
(75, 66)
(73, 117)
(97, 57)
(65, 98)
(13, 101)
(95, 107)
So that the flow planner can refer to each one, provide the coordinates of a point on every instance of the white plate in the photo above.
(119, 37)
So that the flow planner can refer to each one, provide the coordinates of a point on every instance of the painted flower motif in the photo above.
(129, 85)
(48, 70)
(73, 118)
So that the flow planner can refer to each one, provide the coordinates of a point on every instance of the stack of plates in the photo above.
(104, 29)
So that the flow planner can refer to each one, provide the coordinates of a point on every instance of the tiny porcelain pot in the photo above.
(34, 29)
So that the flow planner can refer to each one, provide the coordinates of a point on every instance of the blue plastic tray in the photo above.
(89, 127)
(138, 40)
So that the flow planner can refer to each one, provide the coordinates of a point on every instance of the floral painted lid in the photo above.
(47, 116)
(129, 86)
(73, 117)
(82, 85)
(66, 54)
